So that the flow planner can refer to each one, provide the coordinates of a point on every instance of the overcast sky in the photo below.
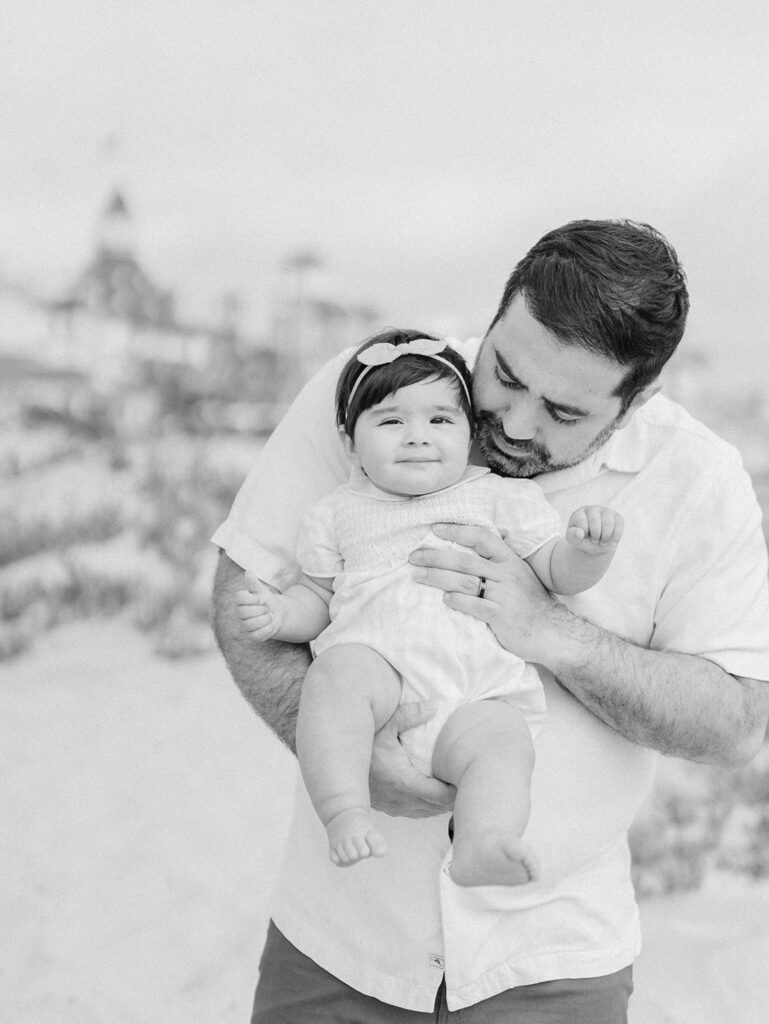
(421, 146)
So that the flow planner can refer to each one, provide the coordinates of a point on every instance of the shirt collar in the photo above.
(628, 450)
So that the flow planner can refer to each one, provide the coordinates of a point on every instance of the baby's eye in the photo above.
(387, 423)
(441, 419)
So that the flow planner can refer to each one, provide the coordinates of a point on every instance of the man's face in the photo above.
(541, 405)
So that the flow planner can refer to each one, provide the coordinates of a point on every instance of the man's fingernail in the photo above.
(439, 527)
(420, 574)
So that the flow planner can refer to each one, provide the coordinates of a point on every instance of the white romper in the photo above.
(362, 537)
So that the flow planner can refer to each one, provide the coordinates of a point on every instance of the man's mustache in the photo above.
(527, 445)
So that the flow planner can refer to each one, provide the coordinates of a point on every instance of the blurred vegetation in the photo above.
(102, 512)
(699, 818)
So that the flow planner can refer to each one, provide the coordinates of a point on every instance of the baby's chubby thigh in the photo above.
(346, 675)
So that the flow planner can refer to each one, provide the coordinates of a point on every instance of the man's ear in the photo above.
(639, 400)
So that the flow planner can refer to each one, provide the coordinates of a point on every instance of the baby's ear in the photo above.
(347, 442)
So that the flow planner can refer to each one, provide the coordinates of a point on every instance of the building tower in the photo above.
(113, 283)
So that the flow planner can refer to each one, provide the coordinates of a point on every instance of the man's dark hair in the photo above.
(615, 287)
(381, 381)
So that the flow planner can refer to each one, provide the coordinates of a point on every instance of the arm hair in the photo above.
(269, 675)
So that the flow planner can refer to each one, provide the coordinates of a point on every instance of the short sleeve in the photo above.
(302, 461)
(524, 516)
(318, 549)
(715, 603)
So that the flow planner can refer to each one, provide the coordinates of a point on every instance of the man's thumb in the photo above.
(253, 583)
(413, 713)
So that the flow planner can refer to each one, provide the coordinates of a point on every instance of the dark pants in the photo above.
(292, 989)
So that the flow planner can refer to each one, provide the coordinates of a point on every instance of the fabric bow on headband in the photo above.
(384, 352)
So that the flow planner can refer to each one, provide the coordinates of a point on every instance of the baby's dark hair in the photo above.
(384, 380)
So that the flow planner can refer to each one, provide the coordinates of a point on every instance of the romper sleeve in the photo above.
(318, 549)
(524, 516)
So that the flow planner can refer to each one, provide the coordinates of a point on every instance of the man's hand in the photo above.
(522, 614)
(397, 787)
(679, 704)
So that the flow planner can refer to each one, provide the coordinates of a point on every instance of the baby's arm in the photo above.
(576, 562)
(296, 616)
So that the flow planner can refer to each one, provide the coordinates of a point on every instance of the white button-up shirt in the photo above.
(690, 576)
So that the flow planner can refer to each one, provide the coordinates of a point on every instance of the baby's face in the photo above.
(415, 441)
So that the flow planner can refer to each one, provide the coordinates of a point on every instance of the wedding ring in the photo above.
(481, 586)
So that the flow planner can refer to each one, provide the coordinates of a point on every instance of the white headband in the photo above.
(385, 352)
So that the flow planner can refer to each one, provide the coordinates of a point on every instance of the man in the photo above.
(665, 654)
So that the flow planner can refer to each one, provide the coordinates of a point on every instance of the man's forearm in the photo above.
(269, 675)
(678, 704)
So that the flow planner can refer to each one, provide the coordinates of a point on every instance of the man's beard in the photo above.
(535, 458)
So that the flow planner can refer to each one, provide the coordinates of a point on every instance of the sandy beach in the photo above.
(143, 807)
(143, 810)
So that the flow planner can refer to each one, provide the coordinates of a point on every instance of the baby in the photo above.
(404, 412)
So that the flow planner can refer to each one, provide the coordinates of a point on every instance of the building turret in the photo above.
(115, 230)
(113, 283)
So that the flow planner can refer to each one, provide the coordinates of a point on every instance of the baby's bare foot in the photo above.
(351, 838)
(493, 858)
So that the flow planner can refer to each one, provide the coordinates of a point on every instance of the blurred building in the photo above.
(116, 321)
(115, 331)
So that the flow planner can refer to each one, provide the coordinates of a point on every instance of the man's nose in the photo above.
(519, 420)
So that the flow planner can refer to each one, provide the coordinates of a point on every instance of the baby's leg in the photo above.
(485, 750)
(349, 692)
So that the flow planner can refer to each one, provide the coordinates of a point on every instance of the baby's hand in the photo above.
(261, 611)
(595, 529)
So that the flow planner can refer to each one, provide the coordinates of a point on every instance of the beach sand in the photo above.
(143, 811)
